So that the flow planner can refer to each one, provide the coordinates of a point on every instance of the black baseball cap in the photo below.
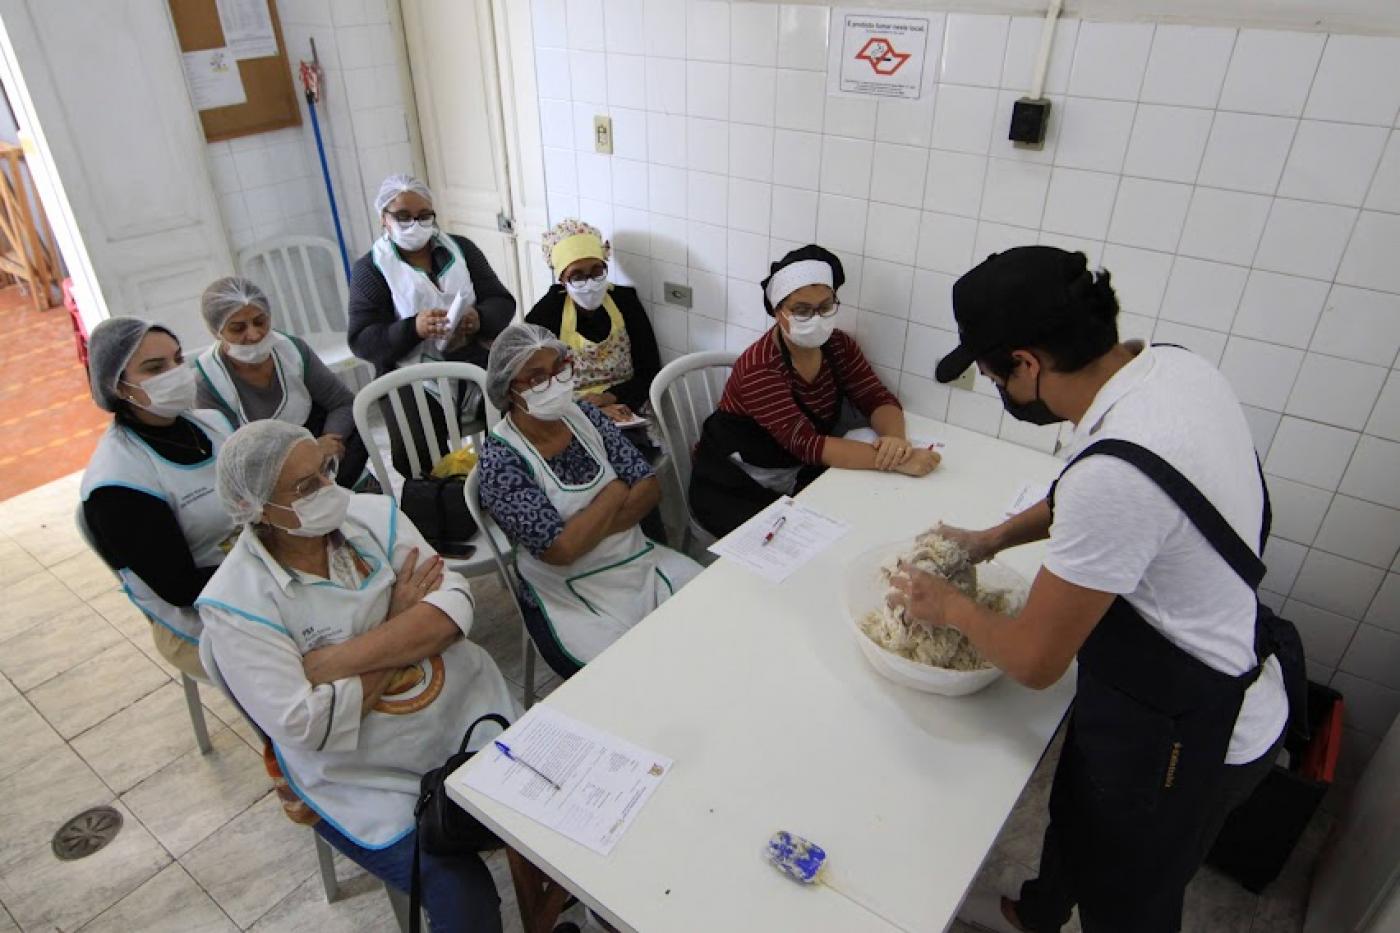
(1009, 300)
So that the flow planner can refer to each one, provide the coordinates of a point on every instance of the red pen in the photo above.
(774, 530)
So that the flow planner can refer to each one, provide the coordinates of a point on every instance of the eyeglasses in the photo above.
(403, 217)
(563, 371)
(309, 485)
(806, 312)
(596, 275)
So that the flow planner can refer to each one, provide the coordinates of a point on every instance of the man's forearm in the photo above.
(1000, 639)
(1031, 525)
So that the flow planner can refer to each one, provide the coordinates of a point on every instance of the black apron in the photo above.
(722, 496)
(1149, 732)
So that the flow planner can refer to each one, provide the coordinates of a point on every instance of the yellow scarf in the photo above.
(568, 332)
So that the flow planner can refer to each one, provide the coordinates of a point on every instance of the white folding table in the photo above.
(776, 721)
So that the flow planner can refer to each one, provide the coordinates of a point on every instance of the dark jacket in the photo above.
(378, 336)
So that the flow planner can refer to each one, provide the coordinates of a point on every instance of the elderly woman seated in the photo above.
(343, 637)
(148, 491)
(252, 372)
(568, 489)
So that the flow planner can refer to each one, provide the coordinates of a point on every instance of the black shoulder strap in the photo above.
(823, 425)
(1207, 519)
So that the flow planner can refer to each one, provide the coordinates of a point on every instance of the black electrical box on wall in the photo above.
(1029, 118)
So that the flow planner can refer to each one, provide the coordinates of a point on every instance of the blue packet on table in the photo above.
(798, 858)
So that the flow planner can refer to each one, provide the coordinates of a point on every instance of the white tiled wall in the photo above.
(1243, 186)
(270, 184)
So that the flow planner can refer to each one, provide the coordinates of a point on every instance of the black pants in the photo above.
(1046, 901)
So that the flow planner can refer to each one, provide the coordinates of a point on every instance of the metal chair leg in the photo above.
(399, 901)
(325, 858)
(201, 731)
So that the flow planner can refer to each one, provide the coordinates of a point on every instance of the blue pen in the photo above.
(505, 750)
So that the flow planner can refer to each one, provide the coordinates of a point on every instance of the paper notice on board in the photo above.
(213, 78)
(247, 26)
(879, 54)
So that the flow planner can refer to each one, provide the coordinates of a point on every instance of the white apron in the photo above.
(295, 407)
(368, 792)
(414, 291)
(122, 458)
(594, 601)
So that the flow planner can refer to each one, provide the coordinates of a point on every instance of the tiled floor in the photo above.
(91, 715)
(48, 423)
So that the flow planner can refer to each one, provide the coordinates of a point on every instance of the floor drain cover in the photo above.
(86, 833)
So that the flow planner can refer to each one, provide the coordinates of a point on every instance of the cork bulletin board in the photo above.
(267, 81)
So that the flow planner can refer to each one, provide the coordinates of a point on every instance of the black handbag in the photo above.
(438, 509)
(443, 827)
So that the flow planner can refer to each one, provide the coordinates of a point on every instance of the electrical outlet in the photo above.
(602, 134)
(966, 380)
(676, 294)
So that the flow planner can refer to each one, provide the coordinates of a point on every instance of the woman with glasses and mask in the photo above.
(148, 491)
(344, 638)
(791, 397)
(401, 292)
(569, 491)
(253, 372)
(604, 325)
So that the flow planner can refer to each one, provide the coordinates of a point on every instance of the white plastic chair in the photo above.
(441, 376)
(325, 855)
(683, 395)
(190, 685)
(303, 275)
(504, 565)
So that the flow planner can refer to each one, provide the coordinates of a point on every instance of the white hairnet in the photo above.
(395, 185)
(110, 346)
(227, 296)
(249, 463)
(512, 348)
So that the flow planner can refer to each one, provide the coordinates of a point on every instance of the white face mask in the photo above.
(170, 392)
(589, 294)
(550, 401)
(319, 513)
(250, 352)
(410, 236)
(813, 332)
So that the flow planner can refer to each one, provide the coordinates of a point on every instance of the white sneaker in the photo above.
(982, 910)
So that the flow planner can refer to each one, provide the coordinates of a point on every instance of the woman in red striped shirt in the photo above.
(792, 395)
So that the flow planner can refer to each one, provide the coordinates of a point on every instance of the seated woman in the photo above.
(400, 295)
(604, 326)
(788, 402)
(569, 490)
(254, 372)
(342, 636)
(148, 491)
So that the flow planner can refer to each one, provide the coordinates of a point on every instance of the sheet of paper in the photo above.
(603, 781)
(869, 436)
(454, 315)
(213, 78)
(247, 26)
(803, 534)
(1028, 495)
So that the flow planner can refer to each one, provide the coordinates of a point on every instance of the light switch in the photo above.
(677, 294)
(967, 380)
(602, 134)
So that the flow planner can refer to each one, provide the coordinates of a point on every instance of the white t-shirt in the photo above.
(1117, 532)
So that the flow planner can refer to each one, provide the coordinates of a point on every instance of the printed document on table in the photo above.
(868, 436)
(803, 534)
(1028, 495)
(603, 781)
